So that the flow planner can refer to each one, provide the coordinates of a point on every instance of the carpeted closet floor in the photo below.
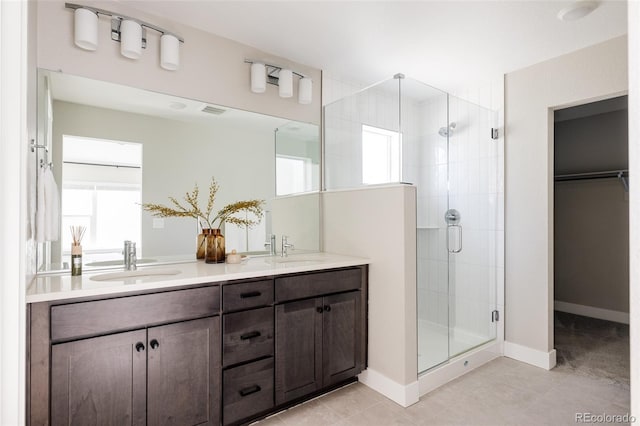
(592, 347)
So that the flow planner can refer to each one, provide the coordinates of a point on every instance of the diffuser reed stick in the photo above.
(77, 232)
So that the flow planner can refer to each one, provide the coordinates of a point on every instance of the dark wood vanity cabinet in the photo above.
(319, 341)
(101, 380)
(212, 354)
(152, 376)
(131, 360)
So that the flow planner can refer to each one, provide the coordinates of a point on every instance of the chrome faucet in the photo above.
(130, 258)
(272, 244)
(285, 246)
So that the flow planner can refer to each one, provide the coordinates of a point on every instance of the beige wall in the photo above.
(634, 205)
(212, 68)
(297, 217)
(591, 257)
(593, 73)
(379, 223)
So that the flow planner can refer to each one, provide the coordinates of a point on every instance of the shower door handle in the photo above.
(452, 218)
(450, 229)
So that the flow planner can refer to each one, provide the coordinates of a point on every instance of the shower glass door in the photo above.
(472, 225)
(458, 220)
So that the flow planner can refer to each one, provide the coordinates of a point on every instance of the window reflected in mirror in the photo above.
(102, 191)
(297, 159)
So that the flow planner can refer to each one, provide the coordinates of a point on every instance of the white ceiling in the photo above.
(448, 44)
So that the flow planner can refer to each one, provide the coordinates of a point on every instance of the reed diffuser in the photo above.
(77, 232)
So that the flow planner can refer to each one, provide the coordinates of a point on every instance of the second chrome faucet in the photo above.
(130, 257)
(284, 248)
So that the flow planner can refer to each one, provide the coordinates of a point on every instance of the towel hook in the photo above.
(43, 161)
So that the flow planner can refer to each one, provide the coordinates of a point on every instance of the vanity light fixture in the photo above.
(130, 32)
(86, 29)
(305, 90)
(285, 83)
(130, 39)
(263, 73)
(258, 78)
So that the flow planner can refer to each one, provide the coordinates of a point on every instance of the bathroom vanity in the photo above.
(212, 344)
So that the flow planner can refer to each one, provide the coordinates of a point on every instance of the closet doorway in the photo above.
(591, 239)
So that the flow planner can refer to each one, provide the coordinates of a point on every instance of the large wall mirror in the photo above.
(113, 147)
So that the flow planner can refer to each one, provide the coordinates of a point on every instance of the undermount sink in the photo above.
(139, 274)
(118, 262)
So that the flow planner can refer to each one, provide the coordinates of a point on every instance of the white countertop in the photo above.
(63, 286)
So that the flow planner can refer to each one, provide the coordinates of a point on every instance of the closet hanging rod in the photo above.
(117, 166)
(592, 175)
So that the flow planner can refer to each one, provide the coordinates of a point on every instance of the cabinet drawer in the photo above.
(247, 335)
(125, 313)
(317, 284)
(236, 297)
(248, 390)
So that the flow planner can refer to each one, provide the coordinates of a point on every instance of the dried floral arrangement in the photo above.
(192, 209)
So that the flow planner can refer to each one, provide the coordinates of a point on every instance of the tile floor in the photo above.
(502, 392)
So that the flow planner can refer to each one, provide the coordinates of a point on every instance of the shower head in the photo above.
(447, 131)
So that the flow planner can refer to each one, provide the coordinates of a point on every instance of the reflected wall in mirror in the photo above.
(114, 147)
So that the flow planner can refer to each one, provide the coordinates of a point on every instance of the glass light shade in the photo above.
(258, 78)
(305, 90)
(285, 84)
(169, 52)
(85, 29)
(130, 39)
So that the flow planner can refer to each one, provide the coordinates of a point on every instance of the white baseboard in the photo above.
(592, 312)
(404, 395)
(546, 360)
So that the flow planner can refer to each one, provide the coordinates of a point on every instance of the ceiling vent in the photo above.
(213, 110)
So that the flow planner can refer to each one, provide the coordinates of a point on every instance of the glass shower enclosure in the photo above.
(402, 130)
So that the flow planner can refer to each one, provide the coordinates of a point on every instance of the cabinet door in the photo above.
(100, 381)
(184, 373)
(298, 349)
(341, 337)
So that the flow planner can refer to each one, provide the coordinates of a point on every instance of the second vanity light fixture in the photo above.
(263, 73)
(130, 32)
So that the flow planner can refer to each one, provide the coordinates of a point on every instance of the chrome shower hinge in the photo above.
(494, 133)
(495, 316)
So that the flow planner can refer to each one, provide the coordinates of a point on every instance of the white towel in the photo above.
(48, 208)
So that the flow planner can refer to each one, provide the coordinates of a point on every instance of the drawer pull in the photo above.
(250, 390)
(249, 294)
(327, 308)
(154, 344)
(250, 335)
(319, 309)
(139, 347)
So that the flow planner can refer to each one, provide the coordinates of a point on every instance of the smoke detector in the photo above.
(577, 10)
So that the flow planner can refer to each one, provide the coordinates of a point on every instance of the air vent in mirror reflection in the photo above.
(213, 110)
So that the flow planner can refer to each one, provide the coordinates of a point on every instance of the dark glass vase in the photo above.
(215, 247)
(201, 243)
